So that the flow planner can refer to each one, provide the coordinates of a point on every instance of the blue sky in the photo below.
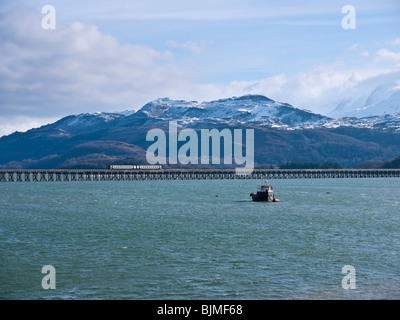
(118, 55)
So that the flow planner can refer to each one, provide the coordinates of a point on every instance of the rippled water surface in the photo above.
(179, 240)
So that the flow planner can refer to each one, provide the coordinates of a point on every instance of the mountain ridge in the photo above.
(283, 133)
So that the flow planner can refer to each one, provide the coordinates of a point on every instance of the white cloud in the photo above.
(22, 123)
(77, 67)
(320, 89)
(354, 46)
(394, 42)
(387, 55)
(196, 47)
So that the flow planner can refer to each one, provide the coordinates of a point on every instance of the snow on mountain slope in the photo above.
(255, 110)
(246, 109)
(262, 111)
(385, 99)
(83, 122)
(390, 105)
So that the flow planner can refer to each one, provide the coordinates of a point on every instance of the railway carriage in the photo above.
(134, 167)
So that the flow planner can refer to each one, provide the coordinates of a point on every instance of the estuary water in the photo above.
(201, 239)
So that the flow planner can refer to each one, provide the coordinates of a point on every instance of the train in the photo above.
(134, 167)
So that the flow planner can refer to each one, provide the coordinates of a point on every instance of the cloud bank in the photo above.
(75, 67)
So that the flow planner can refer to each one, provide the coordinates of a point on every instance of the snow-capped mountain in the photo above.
(255, 110)
(260, 111)
(248, 109)
(384, 100)
(388, 122)
(83, 122)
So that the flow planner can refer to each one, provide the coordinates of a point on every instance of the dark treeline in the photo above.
(311, 165)
(393, 164)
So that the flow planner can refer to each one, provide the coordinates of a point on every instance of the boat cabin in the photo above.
(265, 192)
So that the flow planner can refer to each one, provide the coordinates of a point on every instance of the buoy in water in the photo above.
(276, 200)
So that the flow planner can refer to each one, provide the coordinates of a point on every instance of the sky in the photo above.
(107, 56)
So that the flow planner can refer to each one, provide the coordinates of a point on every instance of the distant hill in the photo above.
(393, 164)
(376, 164)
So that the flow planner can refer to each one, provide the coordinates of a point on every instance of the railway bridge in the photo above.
(42, 175)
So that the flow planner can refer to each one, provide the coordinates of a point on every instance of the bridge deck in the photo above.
(187, 174)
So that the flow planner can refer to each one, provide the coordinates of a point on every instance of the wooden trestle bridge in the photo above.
(187, 174)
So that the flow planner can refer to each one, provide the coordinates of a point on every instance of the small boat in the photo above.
(264, 192)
